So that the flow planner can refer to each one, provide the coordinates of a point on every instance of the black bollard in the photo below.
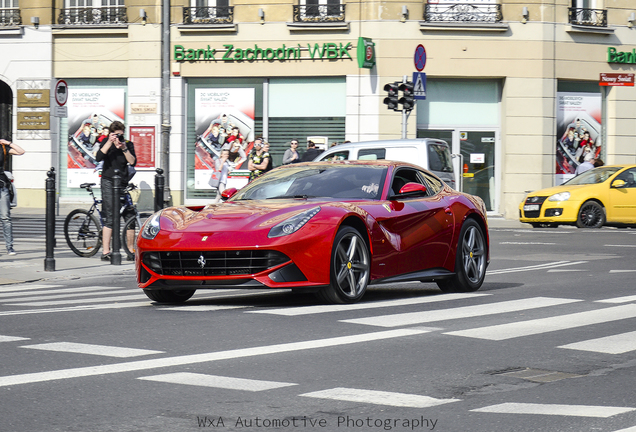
(115, 241)
(49, 261)
(160, 183)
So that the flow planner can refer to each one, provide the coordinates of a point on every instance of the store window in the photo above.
(92, 106)
(305, 107)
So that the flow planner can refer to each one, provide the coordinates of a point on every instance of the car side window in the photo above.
(336, 156)
(433, 184)
(629, 177)
(372, 154)
(402, 177)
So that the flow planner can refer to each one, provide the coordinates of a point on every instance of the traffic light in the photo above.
(407, 100)
(392, 98)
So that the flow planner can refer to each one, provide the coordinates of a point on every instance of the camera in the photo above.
(121, 138)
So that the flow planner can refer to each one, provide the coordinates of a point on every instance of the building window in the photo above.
(319, 11)
(468, 11)
(208, 12)
(78, 12)
(10, 13)
(585, 12)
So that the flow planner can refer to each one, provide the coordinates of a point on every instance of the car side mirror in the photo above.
(618, 184)
(228, 193)
(412, 188)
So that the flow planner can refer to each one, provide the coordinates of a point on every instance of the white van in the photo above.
(431, 154)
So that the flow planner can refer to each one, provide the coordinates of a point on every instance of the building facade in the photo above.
(506, 83)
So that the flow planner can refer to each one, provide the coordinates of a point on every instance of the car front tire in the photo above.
(350, 268)
(470, 260)
(591, 215)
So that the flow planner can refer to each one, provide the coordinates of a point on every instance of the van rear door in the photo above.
(439, 162)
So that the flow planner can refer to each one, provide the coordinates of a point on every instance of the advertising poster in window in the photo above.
(224, 119)
(90, 113)
(578, 132)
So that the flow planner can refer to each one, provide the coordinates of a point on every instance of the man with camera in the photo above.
(117, 154)
(8, 148)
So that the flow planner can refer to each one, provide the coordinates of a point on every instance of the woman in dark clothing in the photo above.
(117, 154)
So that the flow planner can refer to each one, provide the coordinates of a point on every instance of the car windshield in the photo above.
(593, 176)
(317, 180)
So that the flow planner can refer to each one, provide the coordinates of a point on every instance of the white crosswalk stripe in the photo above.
(47, 296)
(78, 301)
(615, 344)
(216, 381)
(11, 338)
(410, 318)
(545, 325)
(102, 350)
(12, 288)
(90, 289)
(555, 409)
(306, 310)
(379, 397)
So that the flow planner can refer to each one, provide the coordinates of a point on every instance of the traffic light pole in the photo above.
(405, 113)
(407, 101)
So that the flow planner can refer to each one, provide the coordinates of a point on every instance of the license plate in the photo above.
(531, 207)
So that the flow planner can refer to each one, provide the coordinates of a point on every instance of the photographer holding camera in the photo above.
(117, 154)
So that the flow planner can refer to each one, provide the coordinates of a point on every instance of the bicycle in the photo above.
(83, 230)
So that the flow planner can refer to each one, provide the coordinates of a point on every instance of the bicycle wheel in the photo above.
(129, 234)
(83, 233)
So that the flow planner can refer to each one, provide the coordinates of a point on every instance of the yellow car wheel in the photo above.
(591, 215)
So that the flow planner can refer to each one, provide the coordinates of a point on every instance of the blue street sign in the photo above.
(419, 85)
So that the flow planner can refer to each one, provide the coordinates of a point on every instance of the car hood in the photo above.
(558, 189)
(239, 215)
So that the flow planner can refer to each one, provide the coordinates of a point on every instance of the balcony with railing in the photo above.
(463, 13)
(208, 15)
(10, 17)
(588, 17)
(319, 13)
(93, 16)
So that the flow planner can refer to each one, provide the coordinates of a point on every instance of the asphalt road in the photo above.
(547, 344)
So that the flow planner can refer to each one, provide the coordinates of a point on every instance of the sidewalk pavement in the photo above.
(28, 264)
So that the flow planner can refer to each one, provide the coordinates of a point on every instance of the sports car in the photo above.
(331, 228)
(601, 196)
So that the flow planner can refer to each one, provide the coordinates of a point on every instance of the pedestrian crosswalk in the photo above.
(539, 315)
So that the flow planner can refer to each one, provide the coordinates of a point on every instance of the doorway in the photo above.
(474, 161)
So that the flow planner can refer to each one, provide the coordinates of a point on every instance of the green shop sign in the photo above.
(366, 53)
(614, 56)
(230, 53)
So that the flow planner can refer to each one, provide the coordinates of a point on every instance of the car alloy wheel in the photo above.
(350, 265)
(591, 215)
(470, 260)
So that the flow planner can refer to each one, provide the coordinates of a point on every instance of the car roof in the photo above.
(379, 162)
(386, 143)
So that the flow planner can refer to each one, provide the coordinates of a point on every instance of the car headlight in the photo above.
(293, 224)
(151, 227)
(561, 196)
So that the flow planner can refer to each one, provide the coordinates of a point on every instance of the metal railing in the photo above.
(319, 13)
(10, 17)
(208, 15)
(587, 17)
(462, 13)
(93, 15)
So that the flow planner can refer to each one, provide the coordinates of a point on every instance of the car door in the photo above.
(623, 199)
(420, 226)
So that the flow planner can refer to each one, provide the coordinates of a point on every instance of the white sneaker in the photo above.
(10, 251)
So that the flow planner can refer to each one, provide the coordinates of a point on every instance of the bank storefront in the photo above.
(279, 109)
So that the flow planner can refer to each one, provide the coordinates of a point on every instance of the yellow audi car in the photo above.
(601, 196)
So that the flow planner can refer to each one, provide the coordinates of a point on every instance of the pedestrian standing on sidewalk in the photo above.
(117, 154)
(8, 148)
